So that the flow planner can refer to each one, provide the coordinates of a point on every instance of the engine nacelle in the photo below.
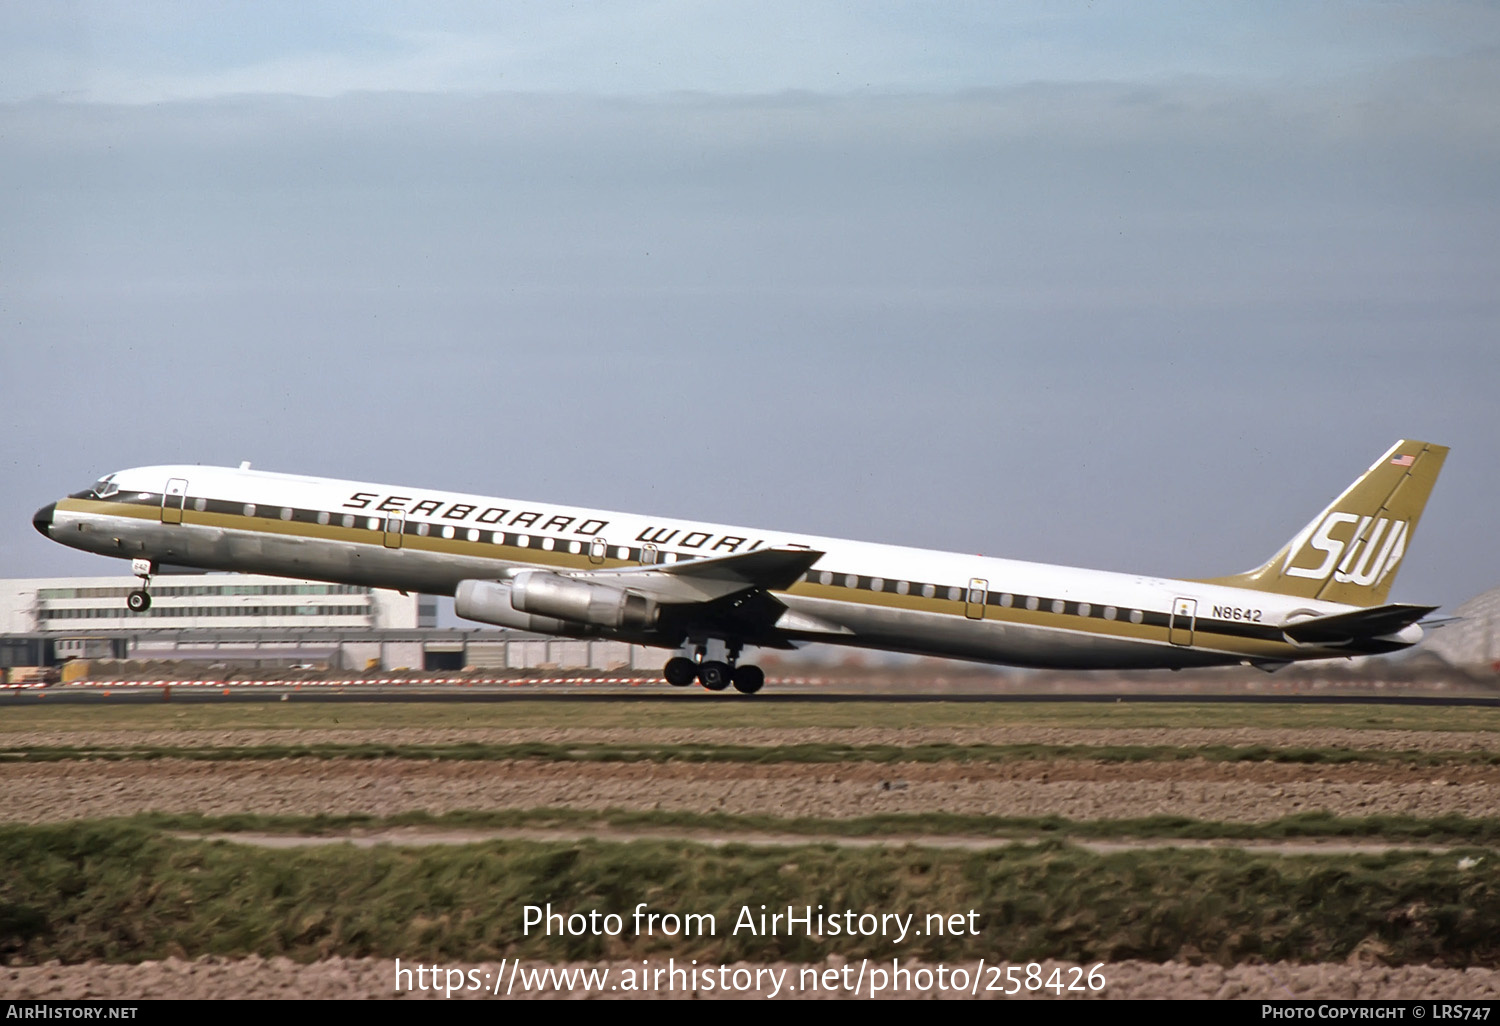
(490, 602)
(567, 598)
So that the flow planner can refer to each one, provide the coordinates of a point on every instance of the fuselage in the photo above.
(857, 593)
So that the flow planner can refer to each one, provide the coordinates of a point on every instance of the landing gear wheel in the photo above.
(749, 679)
(138, 601)
(715, 675)
(680, 672)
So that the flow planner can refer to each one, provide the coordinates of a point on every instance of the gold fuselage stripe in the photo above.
(1254, 648)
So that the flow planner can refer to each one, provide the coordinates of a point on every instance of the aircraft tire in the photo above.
(749, 679)
(715, 675)
(138, 601)
(680, 672)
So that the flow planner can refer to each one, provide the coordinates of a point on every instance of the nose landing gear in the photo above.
(139, 601)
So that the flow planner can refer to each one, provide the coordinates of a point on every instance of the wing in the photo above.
(727, 596)
(711, 579)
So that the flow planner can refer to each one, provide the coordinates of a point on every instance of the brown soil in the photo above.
(1075, 789)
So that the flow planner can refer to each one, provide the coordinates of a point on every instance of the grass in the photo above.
(124, 893)
(703, 711)
(1440, 830)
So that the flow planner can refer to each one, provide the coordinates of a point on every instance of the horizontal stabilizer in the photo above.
(1375, 622)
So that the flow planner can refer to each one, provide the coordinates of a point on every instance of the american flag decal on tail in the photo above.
(1402, 461)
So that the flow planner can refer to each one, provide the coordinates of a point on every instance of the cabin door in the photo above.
(172, 500)
(1184, 619)
(395, 528)
(975, 597)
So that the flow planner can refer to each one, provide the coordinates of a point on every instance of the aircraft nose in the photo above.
(42, 521)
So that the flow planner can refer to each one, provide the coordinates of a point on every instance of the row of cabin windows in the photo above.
(955, 594)
(598, 549)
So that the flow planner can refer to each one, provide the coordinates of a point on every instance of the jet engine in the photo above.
(548, 603)
(567, 598)
(490, 602)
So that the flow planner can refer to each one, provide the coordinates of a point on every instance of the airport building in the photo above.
(204, 601)
(248, 621)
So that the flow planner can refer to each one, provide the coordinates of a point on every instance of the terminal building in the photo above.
(204, 601)
(248, 621)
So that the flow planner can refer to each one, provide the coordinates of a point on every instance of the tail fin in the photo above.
(1350, 551)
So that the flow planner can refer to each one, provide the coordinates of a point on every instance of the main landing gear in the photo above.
(714, 674)
(139, 601)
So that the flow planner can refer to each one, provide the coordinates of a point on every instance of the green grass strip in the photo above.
(1444, 830)
(124, 893)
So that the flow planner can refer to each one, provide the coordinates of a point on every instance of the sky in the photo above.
(1131, 287)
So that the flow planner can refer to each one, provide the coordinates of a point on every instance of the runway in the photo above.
(657, 693)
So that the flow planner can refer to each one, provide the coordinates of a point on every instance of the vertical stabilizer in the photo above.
(1351, 551)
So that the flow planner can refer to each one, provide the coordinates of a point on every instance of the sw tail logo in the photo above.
(1366, 560)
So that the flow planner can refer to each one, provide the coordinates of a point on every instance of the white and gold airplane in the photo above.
(713, 590)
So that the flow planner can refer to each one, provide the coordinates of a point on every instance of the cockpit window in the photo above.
(105, 487)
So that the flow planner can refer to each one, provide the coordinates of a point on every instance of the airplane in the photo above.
(709, 591)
